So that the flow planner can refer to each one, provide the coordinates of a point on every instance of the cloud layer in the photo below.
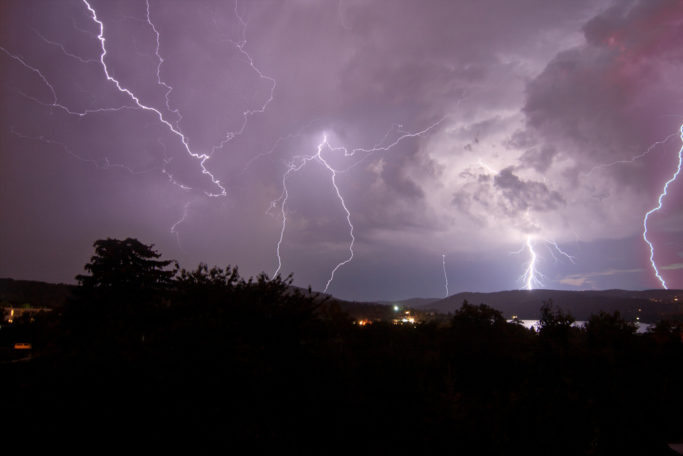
(557, 121)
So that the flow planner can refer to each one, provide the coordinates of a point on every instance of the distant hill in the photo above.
(37, 294)
(653, 304)
(373, 310)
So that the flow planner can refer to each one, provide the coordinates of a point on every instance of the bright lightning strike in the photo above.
(655, 209)
(283, 207)
(55, 103)
(531, 278)
(294, 167)
(199, 156)
(173, 124)
(531, 273)
(348, 214)
(285, 195)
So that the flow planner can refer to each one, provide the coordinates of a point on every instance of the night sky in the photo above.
(460, 136)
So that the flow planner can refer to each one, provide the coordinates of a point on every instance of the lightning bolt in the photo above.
(657, 208)
(301, 162)
(348, 214)
(283, 207)
(559, 250)
(380, 148)
(160, 59)
(333, 173)
(183, 139)
(55, 103)
(174, 227)
(635, 157)
(532, 277)
(275, 146)
(445, 276)
(529, 276)
(173, 125)
(61, 46)
(240, 46)
(75, 26)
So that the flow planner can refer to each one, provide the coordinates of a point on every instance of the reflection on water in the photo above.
(642, 327)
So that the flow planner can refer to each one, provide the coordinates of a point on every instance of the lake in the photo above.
(642, 327)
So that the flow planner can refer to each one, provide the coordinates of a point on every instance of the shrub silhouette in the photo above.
(156, 353)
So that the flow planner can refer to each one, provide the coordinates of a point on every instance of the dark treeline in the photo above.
(147, 356)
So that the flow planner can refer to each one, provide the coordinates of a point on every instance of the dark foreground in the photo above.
(205, 360)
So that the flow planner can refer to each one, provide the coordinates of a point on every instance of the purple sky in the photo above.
(471, 129)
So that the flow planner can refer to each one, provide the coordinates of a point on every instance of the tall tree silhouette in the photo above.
(126, 269)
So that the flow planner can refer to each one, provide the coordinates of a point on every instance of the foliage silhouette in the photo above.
(207, 358)
(126, 269)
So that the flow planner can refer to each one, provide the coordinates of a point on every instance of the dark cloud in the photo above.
(598, 98)
(525, 195)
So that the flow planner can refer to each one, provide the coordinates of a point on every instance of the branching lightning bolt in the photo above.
(283, 207)
(199, 156)
(240, 46)
(657, 208)
(160, 59)
(135, 103)
(560, 251)
(635, 157)
(61, 46)
(379, 148)
(294, 167)
(532, 277)
(531, 273)
(348, 214)
(285, 195)
(55, 103)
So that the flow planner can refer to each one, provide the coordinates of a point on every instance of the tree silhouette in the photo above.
(126, 263)
(609, 329)
(555, 327)
(125, 270)
(553, 319)
(477, 316)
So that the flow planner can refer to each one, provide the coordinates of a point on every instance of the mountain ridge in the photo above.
(646, 305)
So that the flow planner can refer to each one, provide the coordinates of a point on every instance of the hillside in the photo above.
(653, 304)
(34, 293)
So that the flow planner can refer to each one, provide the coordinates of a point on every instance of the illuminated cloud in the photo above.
(549, 116)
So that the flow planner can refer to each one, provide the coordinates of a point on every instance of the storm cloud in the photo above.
(456, 128)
